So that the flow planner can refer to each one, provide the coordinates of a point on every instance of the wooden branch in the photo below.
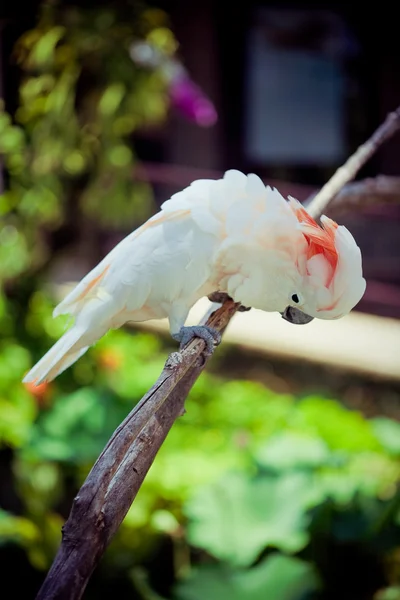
(359, 195)
(117, 475)
(351, 167)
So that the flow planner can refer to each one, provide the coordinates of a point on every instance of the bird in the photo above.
(233, 235)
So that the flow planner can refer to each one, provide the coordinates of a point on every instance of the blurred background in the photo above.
(282, 479)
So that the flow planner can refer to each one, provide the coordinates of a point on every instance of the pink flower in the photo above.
(189, 99)
(186, 96)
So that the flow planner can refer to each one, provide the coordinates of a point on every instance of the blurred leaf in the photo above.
(111, 99)
(11, 140)
(236, 518)
(390, 593)
(140, 580)
(76, 429)
(388, 433)
(14, 253)
(17, 413)
(163, 39)
(277, 578)
(17, 529)
(39, 483)
(338, 426)
(43, 50)
(163, 520)
(287, 451)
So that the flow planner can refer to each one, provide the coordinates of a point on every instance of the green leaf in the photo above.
(276, 578)
(76, 428)
(17, 529)
(388, 433)
(286, 451)
(390, 593)
(111, 99)
(17, 413)
(236, 518)
(43, 51)
(339, 427)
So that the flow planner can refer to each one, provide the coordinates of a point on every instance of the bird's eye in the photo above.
(295, 298)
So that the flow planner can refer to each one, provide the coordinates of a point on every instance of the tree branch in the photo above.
(359, 195)
(351, 167)
(118, 473)
(113, 482)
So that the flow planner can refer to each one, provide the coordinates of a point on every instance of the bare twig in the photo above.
(359, 195)
(117, 475)
(351, 167)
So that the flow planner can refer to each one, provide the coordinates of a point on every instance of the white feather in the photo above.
(55, 355)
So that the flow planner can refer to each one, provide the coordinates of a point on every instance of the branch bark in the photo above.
(118, 473)
(359, 195)
(112, 484)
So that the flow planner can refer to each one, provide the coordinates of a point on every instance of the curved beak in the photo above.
(295, 316)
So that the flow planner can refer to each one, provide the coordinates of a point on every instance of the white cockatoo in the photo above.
(232, 235)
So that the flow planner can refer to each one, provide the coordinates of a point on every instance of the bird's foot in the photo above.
(222, 297)
(211, 336)
(219, 297)
(244, 308)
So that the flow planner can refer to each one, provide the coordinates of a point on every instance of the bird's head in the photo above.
(331, 281)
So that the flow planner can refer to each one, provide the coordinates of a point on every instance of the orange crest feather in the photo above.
(321, 240)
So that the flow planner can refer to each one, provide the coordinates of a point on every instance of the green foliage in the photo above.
(238, 517)
(388, 433)
(68, 149)
(279, 577)
(17, 529)
(304, 487)
(278, 480)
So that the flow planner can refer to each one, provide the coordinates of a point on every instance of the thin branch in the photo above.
(360, 195)
(112, 484)
(351, 167)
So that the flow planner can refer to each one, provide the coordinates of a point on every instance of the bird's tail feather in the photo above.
(60, 356)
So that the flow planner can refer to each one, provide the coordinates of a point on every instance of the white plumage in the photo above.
(233, 235)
